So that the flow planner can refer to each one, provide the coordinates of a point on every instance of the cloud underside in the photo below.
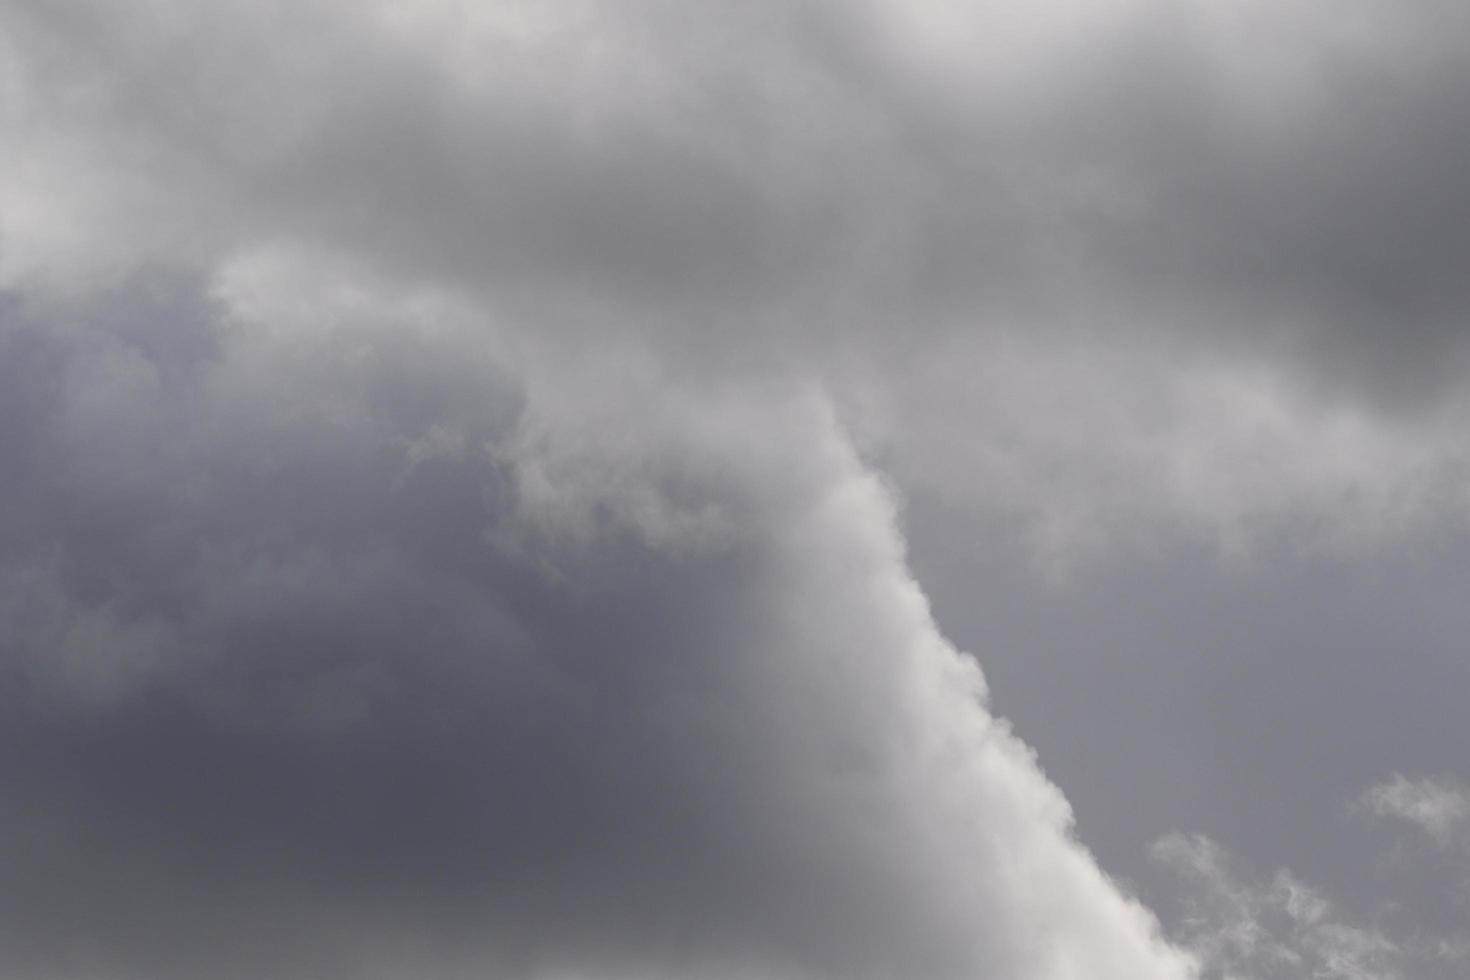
(1126, 269)
(439, 527)
(388, 672)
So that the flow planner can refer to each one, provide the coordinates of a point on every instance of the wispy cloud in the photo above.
(1265, 930)
(1436, 806)
(1244, 926)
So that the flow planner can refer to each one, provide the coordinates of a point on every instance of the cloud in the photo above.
(1243, 219)
(1277, 929)
(1245, 927)
(1098, 447)
(341, 643)
(1439, 807)
(442, 530)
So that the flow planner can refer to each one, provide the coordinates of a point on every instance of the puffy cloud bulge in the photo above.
(328, 655)
(440, 530)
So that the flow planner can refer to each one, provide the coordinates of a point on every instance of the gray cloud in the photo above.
(439, 526)
(1284, 928)
(1193, 226)
(1299, 191)
(1254, 927)
(1438, 807)
(332, 649)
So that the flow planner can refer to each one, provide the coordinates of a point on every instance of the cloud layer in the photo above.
(442, 528)
(327, 643)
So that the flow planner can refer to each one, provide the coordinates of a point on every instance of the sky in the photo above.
(800, 490)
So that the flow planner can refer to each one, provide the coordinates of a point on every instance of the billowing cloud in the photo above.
(1227, 236)
(442, 529)
(338, 645)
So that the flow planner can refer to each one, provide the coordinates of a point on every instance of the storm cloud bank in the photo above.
(330, 650)
(441, 524)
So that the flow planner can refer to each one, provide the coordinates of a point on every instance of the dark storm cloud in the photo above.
(359, 677)
(433, 539)
(1180, 226)
(1262, 179)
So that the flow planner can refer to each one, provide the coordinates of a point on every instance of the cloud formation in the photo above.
(1247, 927)
(1280, 929)
(442, 530)
(1438, 807)
(1227, 236)
(326, 628)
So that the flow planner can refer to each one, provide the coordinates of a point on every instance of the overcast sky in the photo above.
(788, 490)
